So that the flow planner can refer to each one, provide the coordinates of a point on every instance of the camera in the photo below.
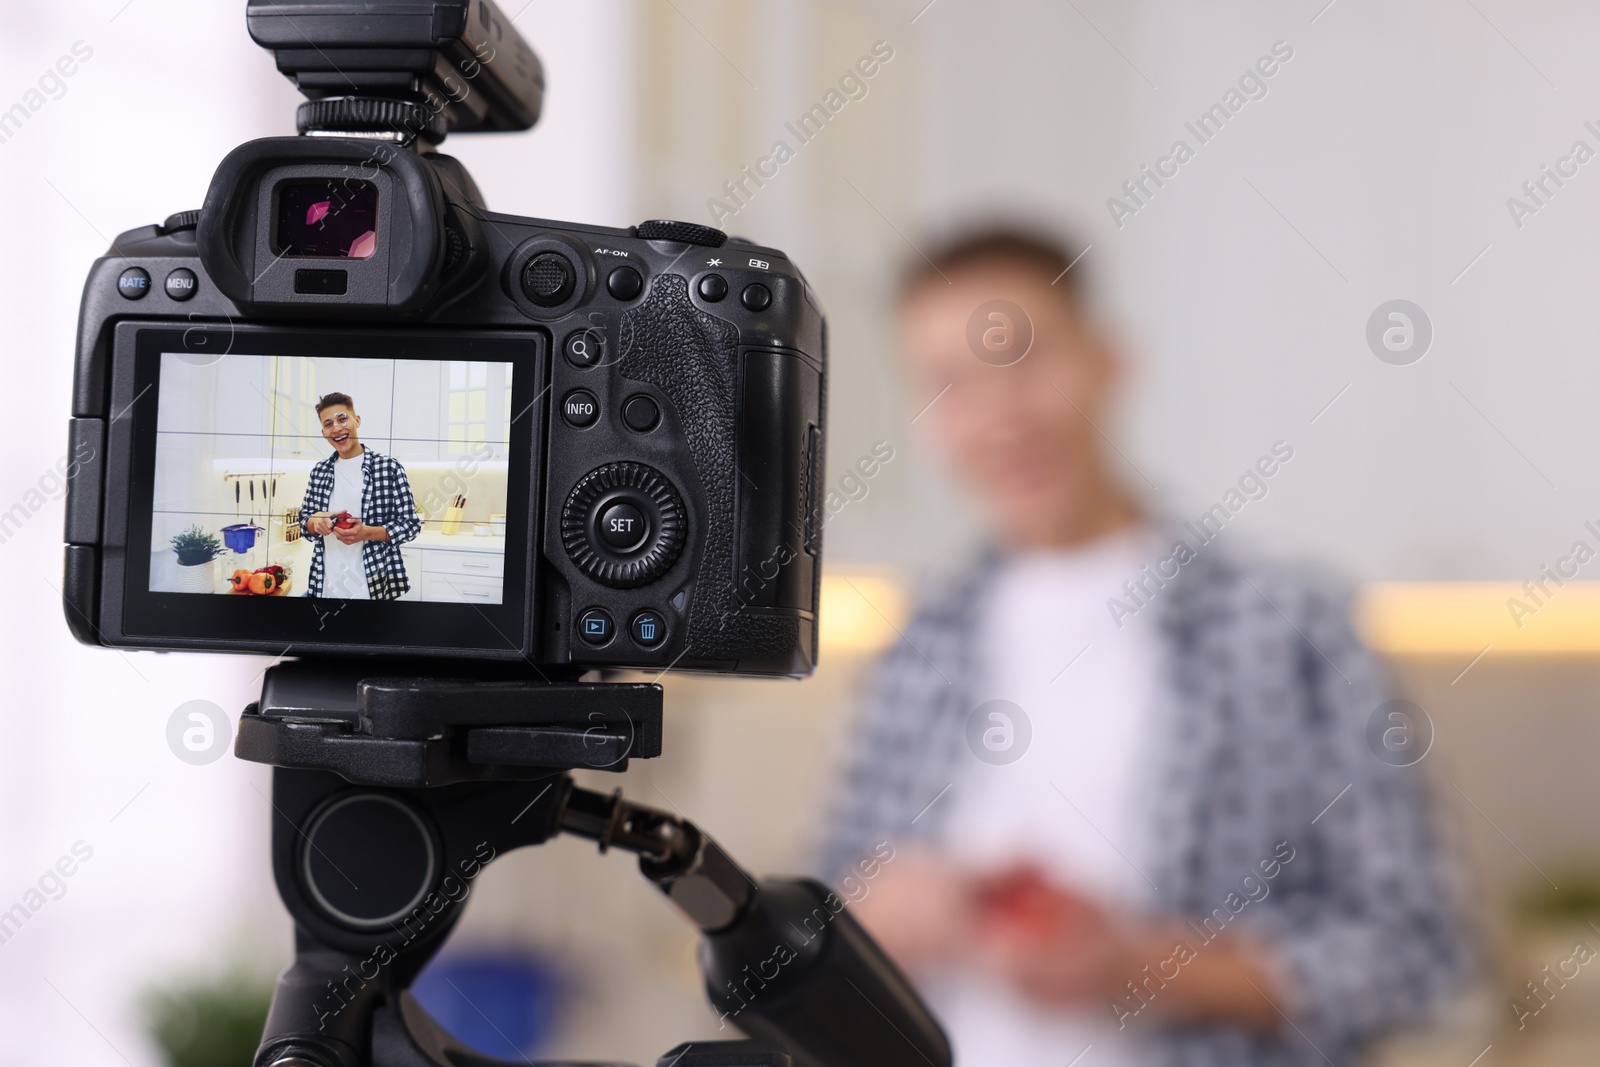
(344, 408)
(346, 415)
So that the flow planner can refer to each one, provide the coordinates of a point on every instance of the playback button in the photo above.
(596, 627)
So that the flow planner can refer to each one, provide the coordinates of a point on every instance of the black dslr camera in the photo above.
(453, 462)
(584, 446)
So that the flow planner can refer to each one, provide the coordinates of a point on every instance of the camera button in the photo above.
(623, 527)
(713, 287)
(585, 348)
(596, 627)
(641, 414)
(756, 297)
(181, 284)
(134, 283)
(625, 283)
(549, 279)
(580, 408)
(649, 629)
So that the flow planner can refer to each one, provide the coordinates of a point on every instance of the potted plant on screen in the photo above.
(196, 549)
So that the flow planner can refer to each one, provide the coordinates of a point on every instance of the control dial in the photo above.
(623, 525)
(689, 233)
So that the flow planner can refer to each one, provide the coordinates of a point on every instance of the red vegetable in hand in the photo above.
(1022, 903)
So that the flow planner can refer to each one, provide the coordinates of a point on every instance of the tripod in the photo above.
(392, 792)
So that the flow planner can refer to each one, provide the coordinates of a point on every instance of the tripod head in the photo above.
(416, 69)
(393, 792)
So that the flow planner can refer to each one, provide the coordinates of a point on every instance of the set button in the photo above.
(623, 527)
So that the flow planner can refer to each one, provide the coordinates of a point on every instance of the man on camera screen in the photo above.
(358, 511)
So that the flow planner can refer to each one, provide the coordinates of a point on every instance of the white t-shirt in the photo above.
(1070, 803)
(343, 575)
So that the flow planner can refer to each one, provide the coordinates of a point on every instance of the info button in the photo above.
(580, 408)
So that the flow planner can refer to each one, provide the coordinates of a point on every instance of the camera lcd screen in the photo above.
(334, 218)
(361, 490)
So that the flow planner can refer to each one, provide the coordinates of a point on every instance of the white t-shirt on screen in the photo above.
(343, 575)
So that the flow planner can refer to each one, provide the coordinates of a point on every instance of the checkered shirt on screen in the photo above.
(385, 501)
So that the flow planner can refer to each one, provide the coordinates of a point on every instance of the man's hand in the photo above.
(919, 910)
(361, 532)
(1058, 948)
(1051, 943)
(320, 524)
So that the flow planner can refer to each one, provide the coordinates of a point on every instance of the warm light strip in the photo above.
(1436, 618)
(862, 611)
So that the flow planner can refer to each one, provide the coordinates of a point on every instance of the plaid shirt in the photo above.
(385, 501)
(1262, 723)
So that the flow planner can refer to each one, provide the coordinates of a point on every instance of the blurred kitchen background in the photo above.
(236, 440)
(1377, 166)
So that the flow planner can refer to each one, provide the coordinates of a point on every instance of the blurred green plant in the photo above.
(209, 1022)
(1577, 899)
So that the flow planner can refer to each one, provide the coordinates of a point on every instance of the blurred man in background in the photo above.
(1123, 773)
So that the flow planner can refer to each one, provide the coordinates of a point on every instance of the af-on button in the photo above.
(625, 283)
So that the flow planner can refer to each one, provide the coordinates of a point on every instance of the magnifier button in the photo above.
(587, 347)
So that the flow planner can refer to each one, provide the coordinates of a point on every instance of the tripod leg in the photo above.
(375, 880)
(320, 1010)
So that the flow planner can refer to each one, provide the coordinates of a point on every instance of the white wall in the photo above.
(1390, 142)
